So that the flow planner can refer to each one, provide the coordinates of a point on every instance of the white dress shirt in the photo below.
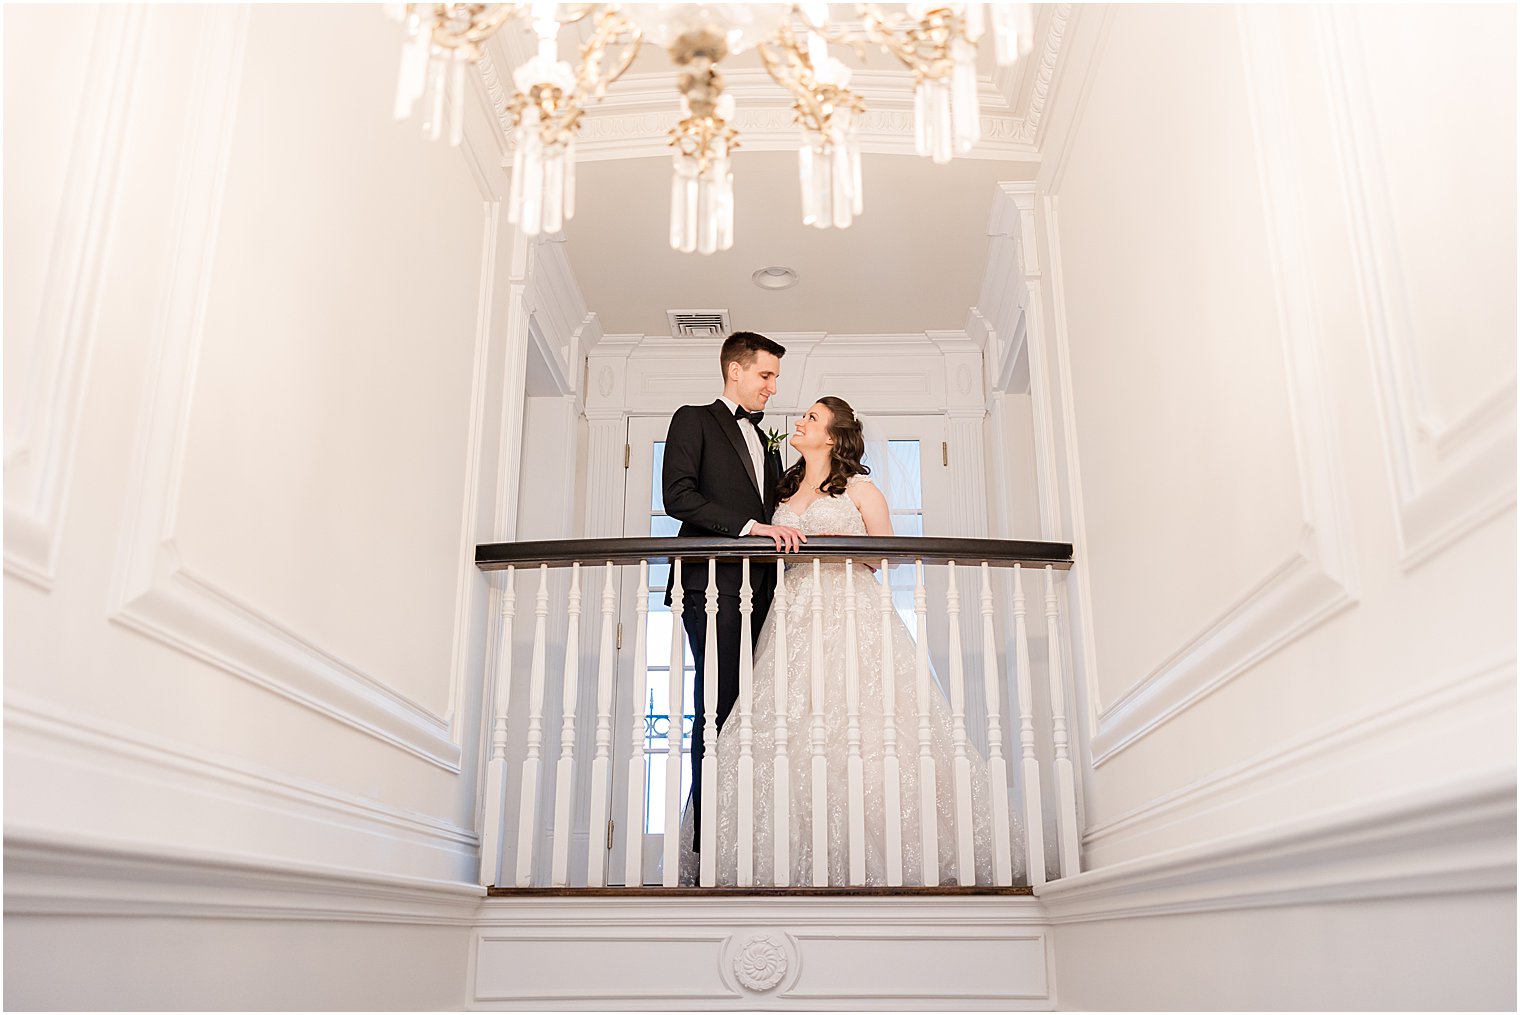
(756, 454)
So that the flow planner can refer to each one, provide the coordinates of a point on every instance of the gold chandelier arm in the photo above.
(481, 22)
(774, 67)
(922, 46)
(591, 81)
(794, 72)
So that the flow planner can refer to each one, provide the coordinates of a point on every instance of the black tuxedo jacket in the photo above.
(709, 486)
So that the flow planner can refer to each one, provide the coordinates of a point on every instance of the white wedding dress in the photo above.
(838, 515)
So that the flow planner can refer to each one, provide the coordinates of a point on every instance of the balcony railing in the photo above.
(990, 686)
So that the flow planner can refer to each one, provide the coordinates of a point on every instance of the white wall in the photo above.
(1295, 958)
(254, 422)
(1282, 377)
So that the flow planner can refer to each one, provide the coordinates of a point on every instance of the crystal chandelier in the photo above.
(936, 42)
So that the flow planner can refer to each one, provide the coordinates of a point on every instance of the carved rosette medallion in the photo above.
(760, 963)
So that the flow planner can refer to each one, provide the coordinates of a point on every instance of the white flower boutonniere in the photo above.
(773, 440)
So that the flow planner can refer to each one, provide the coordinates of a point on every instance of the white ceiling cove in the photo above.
(911, 263)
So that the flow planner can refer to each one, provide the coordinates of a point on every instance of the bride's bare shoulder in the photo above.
(862, 491)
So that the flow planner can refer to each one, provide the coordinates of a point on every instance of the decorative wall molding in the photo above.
(1455, 837)
(112, 753)
(607, 432)
(49, 876)
(1408, 718)
(777, 953)
(1448, 476)
(1315, 580)
(559, 319)
(158, 594)
(626, 135)
(40, 432)
(1006, 301)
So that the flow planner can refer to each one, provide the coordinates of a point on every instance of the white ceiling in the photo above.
(911, 263)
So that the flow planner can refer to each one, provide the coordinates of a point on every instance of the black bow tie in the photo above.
(754, 417)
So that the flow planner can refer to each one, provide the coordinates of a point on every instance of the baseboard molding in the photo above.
(1425, 712)
(1444, 838)
(81, 757)
(47, 875)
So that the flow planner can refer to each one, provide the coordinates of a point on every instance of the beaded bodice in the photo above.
(826, 516)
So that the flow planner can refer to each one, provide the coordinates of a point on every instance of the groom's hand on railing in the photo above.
(786, 538)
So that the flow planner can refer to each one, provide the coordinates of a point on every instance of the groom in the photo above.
(720, 480)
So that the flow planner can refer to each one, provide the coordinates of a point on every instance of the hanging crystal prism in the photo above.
(965, 111)
(931, 120)
(702, 190)
(431, 74)
(829, 167)
(1012, 31)
(542, 195)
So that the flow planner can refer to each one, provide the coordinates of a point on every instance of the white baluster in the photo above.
(527, 815)
(633, 856)
(1066, 783)
(708, 868)
(746, 872)
(496, 771)
(892, 777)
(964, 859)
(928, 794)
(674, 731)
(855, 770)
(564, 772)
(820, 771)
(997, 768)
(597, 847)
(781, 773)
(1029, 765)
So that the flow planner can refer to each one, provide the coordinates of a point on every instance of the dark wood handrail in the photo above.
(869, 549)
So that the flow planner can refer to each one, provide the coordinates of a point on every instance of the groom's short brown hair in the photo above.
(741, 346)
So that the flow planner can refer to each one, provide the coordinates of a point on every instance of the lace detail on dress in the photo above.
(838, 515)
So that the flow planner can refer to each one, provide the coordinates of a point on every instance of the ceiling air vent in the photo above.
(698, 323)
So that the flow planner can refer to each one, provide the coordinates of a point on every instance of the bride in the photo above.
(827, 493)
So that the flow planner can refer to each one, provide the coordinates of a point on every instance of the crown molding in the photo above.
(644, 134)
(1050, 55)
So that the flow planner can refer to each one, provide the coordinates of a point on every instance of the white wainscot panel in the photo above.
(1435, 263)
(657, 966)
(1268, 399)
(286, 521)
(776, 954)
(943, 968)
(65, 118)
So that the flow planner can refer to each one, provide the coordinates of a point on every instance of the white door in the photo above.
(907, 459)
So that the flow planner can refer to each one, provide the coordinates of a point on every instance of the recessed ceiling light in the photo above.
(775, 278)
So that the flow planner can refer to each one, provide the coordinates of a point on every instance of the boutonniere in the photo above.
(773, 440)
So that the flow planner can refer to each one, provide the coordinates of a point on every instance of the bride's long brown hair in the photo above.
(844, 457)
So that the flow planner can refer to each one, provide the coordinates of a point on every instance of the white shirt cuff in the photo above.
(747, 526)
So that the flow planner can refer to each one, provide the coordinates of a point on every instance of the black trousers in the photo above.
(729, 623)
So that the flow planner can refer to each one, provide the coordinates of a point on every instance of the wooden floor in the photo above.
(656, 891)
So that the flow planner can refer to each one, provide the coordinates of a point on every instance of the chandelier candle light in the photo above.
(937, 42)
